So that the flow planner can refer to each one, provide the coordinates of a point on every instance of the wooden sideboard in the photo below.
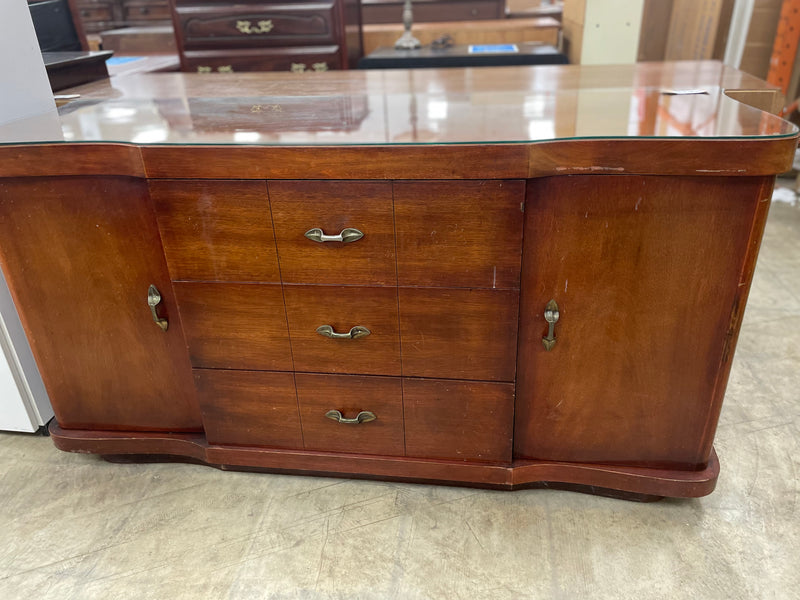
(496, 277)
(258, 35)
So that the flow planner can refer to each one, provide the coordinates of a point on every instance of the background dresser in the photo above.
(257, 35)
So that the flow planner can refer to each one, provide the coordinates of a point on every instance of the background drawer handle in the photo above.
(551, 316)
(356, 332)
(153, 300)
(348, 235)
(364, 416)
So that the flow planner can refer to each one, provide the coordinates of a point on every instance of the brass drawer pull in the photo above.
(346, 236)
(551, 316)
(356, 332)
(365, 416)
(153, 300)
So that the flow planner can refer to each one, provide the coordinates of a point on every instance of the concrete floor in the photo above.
(75, 527)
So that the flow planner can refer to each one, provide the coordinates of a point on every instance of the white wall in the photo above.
(24, 89)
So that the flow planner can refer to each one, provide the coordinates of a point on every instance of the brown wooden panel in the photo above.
(365, 162)
(463, 334)
(235, 326)
(84, 159)
(350, 395)
(79, 256)
(459, 234)
(645, 271)
(459, 420)
(216, 230)
(343, 308)
(298, 206)
(249, 408)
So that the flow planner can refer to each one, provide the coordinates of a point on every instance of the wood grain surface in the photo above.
(645, 271)
(350, 395)
(459, 334)
(459, 234)
(79, 255)
(249, 408)
(298, 206)
(216, 230)
(235, 326)
(343, 308)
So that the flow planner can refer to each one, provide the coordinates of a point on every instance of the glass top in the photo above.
(400, 108)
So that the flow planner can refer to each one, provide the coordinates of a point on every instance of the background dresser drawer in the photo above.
(343, 308)
(235, 326)
(462, 420)
(304, 59)
(382, 396)
(146, 10)
(96, 12)
(459, 233)
(216, 230)
(462, 334)
(249, 408)
(331, 206)
(235, 26)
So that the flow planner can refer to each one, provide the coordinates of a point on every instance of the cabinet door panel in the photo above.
(80, 255)
(645, 272)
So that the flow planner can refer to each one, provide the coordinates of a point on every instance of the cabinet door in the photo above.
(80, 255)
(645, 272)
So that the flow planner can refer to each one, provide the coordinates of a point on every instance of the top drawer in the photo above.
(235, 26)
(216, 230)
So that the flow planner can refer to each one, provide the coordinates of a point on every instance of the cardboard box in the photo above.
(693, 29)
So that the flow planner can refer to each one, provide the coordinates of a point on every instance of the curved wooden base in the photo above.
(642, 482)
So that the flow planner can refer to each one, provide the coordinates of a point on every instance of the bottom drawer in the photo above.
(351, 395)
(249, 408)
(461, 420)
(297, 59)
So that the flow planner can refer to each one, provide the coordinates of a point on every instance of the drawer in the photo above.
(300, 60)
(459, 334)
(333, 207)
(237, 26)
(235, 326)
(459, 233)
(249, 408)
(147, 11)
(343, 308)
(95, 12)
(216, 230)
(458, 420)
(380, 396)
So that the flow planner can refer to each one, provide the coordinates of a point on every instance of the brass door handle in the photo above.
(356, 332)
(346, 236)
(365, 416)
(153, 300)
(551, 316)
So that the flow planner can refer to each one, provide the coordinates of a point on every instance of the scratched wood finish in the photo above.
(216, 230)
(459, 334)
(343, 308)
(298, 206)
(319, 394)
(79, 255)
(645, 271)
(235, 326)
(459, 234)
(249, 408)
(458, 420)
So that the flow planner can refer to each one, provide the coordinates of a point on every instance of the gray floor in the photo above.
(74, 527)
